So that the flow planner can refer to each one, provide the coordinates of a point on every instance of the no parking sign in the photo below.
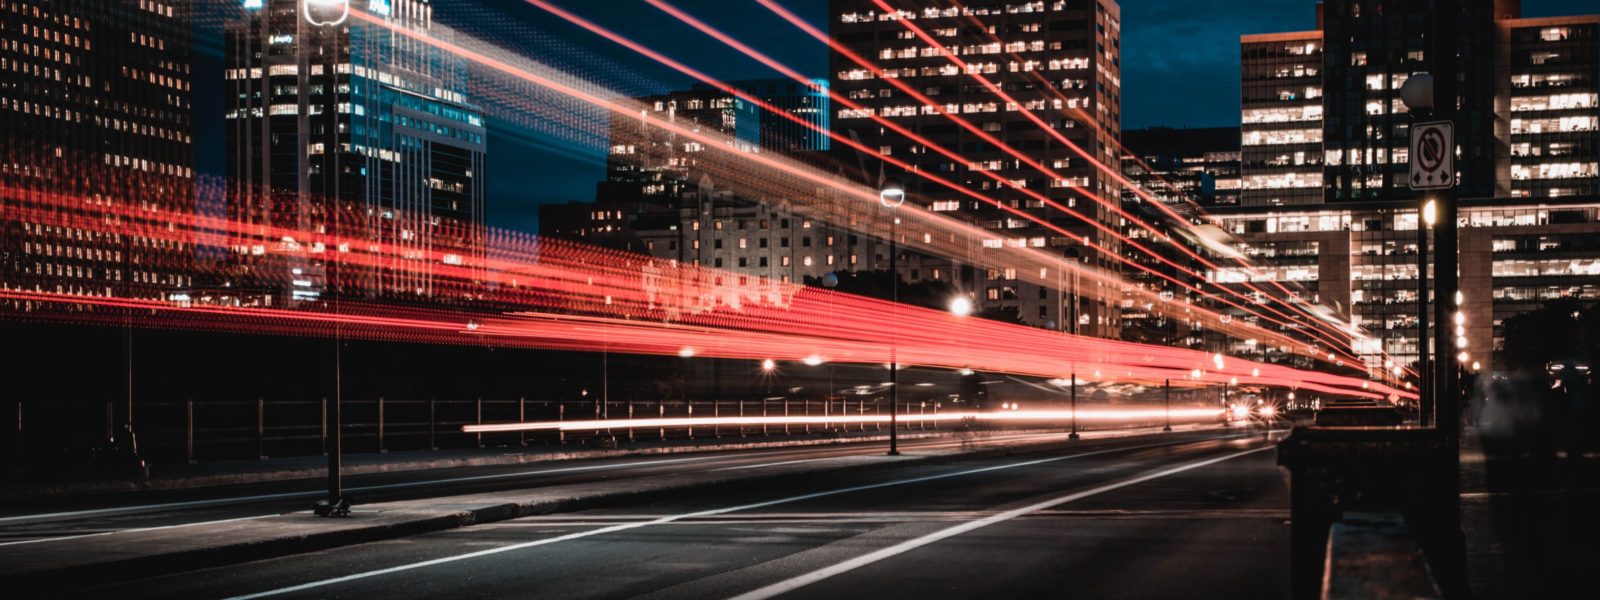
(1433, 155)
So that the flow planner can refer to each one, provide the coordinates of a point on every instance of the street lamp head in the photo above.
(893, 192)
(830, 280)
(960, 306)
(1430, 213)
(1417, 92)
(768, 365)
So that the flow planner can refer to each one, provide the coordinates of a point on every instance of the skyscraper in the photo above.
(1280, 126)
(1552, 74)
(1058, 59)
(97, 122)
(337, 121)
(647, 162)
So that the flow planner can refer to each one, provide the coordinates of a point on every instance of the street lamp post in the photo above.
(1167, 388)
(1417, 94)
(892, 194)
(1073, 252)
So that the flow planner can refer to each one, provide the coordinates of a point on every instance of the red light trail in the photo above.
(778, 166)
(1115, 207)
(1316, 332)
(1315, 329)
(584, 299)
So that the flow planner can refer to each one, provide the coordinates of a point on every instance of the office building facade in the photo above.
(1527, 134)
(338, 122)
(1060, 60)
(97, 120)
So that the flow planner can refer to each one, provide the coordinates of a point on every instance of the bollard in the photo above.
(807, 426)
(691, 415)
(433, 437)
(324, 413)
(261, 428)
(630, 419)
(522, 417)
(188, 428)
(381, 448)
(480, 421)
(561, 415)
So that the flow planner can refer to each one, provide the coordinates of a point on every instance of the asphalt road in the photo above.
(70, 518)
(1139, 518)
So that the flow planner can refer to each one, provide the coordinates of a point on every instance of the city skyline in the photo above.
(1164, 42)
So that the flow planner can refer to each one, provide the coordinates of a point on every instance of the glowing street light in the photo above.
(960, 306)
(768, 365)
(812, 361)
(686, 352)
(893, 193)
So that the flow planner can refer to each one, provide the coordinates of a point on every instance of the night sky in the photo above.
(1180, 67)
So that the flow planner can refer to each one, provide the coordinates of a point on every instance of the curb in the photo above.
(663, 488)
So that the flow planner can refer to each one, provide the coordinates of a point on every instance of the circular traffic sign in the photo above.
(1430, 149)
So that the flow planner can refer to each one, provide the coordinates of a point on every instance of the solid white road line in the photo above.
(396, 486)
(100, 533)
(672, 518)
(794, 583)
(312, 493)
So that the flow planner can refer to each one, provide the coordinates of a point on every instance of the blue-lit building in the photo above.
(328, 110)
(807, 102)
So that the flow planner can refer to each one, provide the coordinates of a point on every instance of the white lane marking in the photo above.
(391, 486)
(311, 493)
(787, 462)
(671, 518)
(135, 530)
(794, 583)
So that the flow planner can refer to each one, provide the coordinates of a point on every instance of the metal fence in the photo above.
(206, 430)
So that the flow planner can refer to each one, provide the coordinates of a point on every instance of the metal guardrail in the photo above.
(204, 430)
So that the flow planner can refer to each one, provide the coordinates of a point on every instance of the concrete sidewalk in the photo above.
(149, 552)
(1531, 522)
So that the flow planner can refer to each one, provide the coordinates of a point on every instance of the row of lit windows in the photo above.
(1290, 180)
(1312, 112)
(137, 74)
(912, 110)
(1586, 267)
(1554, 102)
(1555, 125)
(1555, 171)
(961, 11)
(1282, 136)
(49, 35)
(968, 50)
(45, 72)
(1526, 80)
(951, 70)
(58, 19)
(1343, 221)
